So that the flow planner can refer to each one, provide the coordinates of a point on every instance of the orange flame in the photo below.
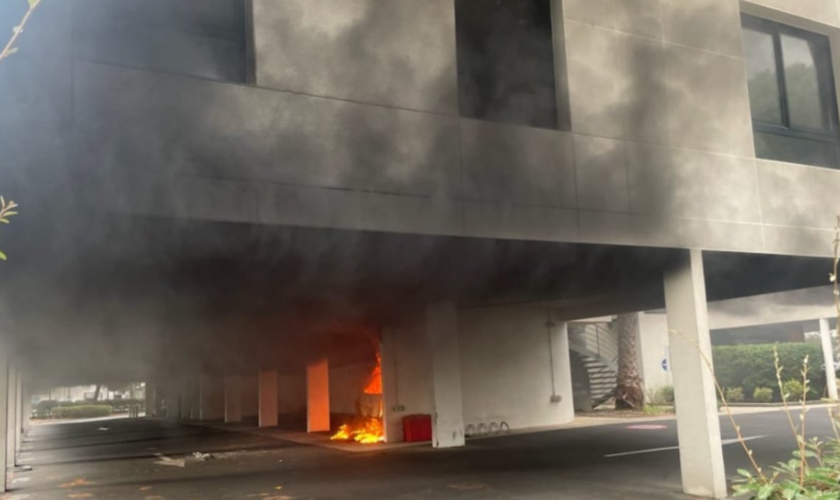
(371, 432)
(374, 385)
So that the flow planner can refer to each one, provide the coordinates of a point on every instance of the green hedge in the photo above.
(86, 411)
(751, 366)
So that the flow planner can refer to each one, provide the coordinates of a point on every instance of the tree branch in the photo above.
(9, 49)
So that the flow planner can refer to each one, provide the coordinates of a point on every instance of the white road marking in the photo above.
(669, 448)
(171, 462)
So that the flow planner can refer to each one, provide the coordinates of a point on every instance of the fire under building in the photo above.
(333, 215)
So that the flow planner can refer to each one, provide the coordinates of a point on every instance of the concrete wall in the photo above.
(353, 124)
(505, 370)
(653, 346)
(250, 396)
(291, 393)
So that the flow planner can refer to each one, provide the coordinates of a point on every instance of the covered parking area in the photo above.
(282, 326)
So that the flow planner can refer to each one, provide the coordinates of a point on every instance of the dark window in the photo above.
(506, 66)
(205, 38)
(792, 98)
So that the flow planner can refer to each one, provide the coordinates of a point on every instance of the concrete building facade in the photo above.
(248, 198)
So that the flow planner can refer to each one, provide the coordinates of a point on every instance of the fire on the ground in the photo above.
(369, 429)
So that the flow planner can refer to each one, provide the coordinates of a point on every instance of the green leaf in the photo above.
(11, 51)
(15, 29)
(11, 213)
(33, 3)
(765, 491)
(2, 256)
(744, 472)
(789, 492)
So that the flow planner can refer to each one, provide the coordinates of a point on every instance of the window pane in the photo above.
(803, 84)
(795, 150)
(762, 77)
(506, 61)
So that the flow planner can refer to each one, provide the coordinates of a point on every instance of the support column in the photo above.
(698, 427)
(4, 419)
(233, 399)
(318, 396)
(27, 408)
(447, 405)
(391, 408)
(828, 359)
(151, 399)
(11, 417)
(19, 416)
(267, 386)
(184, 390)
(561, 365)
(173, 400)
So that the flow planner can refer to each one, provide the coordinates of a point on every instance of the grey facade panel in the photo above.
(186, 126)
(798, 195)
(506, 163)
(389, 53)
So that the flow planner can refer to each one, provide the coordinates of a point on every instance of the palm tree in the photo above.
(628, 392)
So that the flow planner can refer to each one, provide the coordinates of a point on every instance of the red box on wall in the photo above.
(417, 428)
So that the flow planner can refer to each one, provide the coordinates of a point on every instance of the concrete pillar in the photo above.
(19, 416)
(447, 405)
(698, 427)
(828, 359)
(27, 408)
(562, 371)
(318, 396)
(233, 399)
(267, 386)
(391, 408)
(173, 400)
(151, 400)
(4, 419)
(11, 417)
(211, 398)
(184, 391)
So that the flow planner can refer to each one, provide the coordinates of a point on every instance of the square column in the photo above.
(391, 414)
(233, 399)
(185, 390)
(698, 425)
(828, 359)
(151, 398)
(27, 409)
(19, 416)
(4, 419)
(267, 386)
(173, 401)
(11, 416)
(447, 404)
(561, 366)
(318, 396)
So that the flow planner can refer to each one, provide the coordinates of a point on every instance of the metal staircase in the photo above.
(594, 349)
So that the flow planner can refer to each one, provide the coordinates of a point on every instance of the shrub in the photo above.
(43, 408)
(793, 390)
(763, 395)
(85, 411)
(751, 366)
(666, 392)
(734, 395)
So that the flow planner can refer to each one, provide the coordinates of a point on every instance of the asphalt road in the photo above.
(151, 460)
